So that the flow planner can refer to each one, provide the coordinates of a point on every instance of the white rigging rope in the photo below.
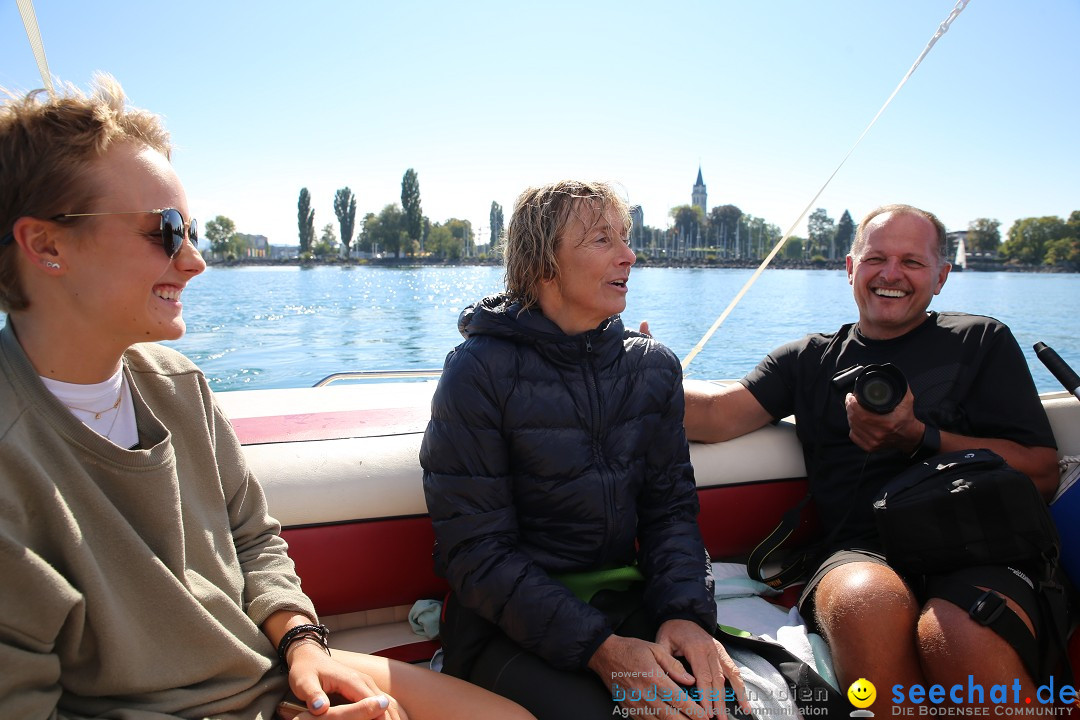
(26, 10)
(942, 29)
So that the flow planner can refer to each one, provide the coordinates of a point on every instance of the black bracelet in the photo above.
(930, 445)
(318, 633)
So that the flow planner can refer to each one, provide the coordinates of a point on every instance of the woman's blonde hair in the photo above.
(540, 216)
(48, 146)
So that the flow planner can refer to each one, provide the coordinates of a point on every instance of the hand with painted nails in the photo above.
(315, 677)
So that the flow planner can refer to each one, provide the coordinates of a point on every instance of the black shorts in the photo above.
(1016, 584)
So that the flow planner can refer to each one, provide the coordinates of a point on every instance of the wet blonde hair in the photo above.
(540, 216)
(48, 147)
(901, 209)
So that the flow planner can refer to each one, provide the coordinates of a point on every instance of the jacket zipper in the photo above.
(594, 396)
(606, 477)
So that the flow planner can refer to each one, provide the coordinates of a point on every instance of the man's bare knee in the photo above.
(868, 614)
(863, 592)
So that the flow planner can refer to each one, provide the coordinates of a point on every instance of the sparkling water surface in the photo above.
(276, 327)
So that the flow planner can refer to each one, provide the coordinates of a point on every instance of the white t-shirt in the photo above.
(105, 407)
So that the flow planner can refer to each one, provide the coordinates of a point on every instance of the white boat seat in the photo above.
(342, 475)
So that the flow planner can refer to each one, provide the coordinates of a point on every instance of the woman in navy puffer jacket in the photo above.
(555, 450)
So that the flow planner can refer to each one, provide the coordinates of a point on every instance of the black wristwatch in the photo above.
(930, 445)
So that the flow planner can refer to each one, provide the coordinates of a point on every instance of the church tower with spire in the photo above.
(699, 197)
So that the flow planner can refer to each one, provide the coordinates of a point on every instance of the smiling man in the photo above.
(968, 387)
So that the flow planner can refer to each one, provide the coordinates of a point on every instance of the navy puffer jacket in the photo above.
(548, 453)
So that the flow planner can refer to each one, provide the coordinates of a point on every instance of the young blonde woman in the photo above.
(142, 576)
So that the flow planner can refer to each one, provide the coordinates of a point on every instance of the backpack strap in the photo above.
(794, 571)
(1054, 605)
(799, 568)
(1043, 655)
(988, 608)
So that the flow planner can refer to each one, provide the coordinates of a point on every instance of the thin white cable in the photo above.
(942, 29)
(26, 10)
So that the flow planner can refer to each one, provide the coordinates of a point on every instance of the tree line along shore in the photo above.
(984, 265)
(724, 237)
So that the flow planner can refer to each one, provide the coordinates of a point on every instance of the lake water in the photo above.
(273, 327)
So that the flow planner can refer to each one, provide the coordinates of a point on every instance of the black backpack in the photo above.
(961, 509)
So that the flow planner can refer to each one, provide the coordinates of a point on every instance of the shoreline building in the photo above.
(637, 228)
(699, 196)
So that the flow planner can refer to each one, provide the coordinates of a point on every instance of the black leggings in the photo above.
(548, 693)
(551, 694)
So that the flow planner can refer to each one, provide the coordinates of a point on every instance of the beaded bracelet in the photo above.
(318, 633)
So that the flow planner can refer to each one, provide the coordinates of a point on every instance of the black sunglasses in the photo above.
(173, 228)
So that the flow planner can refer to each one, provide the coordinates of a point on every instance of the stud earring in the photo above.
(52, 265)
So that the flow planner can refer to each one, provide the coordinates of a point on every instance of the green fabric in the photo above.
(586, 584)
(733, 631)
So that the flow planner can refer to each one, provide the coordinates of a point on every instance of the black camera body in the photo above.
(878, 388)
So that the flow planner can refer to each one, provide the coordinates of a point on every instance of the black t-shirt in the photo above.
(966, 372)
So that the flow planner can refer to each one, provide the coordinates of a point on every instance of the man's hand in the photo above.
(709, 663)
(899, 430)
(646, 672)
(644, 328)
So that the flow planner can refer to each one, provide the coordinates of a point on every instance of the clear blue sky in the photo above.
(485, 98)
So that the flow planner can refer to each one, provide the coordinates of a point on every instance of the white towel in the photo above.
(739, 604)
(767, 690)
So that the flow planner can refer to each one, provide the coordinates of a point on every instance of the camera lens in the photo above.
(880, 388)
(878, 392)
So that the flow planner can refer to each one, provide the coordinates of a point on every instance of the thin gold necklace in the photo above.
(98, 413)
(108, 433)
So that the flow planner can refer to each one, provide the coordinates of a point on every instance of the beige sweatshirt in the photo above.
(133, 582)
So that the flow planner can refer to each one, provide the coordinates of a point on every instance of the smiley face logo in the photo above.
(862, 693)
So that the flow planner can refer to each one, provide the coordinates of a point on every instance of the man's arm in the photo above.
(1038, 463)
(901, 430)
(715, 413)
